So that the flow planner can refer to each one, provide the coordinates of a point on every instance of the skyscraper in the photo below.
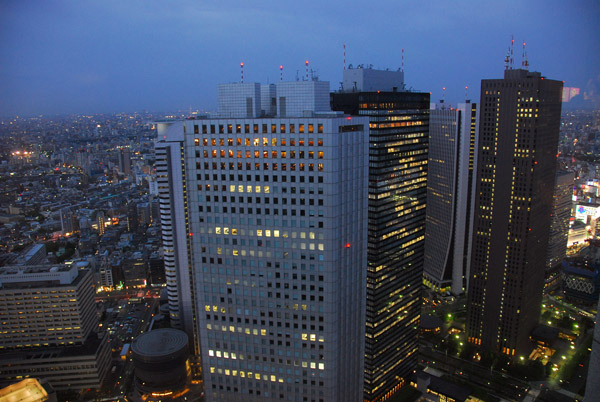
(398, 143)
(559, 228)
(452, 135)
(516, 165)
(265, 235)
(125, 161)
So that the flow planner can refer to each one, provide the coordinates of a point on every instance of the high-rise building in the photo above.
(559, 228)
(100, 222)
(398, 142)
(49, 327)
(68, 220)
(125, 161)
(265, 233)
(516, 167)
(452, 136)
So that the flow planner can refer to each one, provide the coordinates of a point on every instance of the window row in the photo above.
(264, 128)
(266, 166)
(265, 142)
(257, 154)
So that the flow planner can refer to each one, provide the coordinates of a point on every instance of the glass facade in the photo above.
(398, 147)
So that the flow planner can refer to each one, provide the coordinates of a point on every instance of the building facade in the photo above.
(518, 138)
(49, 327)
(398, 143)
(452, 136)
(267, 223)
(559, 228)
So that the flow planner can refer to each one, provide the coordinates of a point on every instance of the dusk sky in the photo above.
(108, 56)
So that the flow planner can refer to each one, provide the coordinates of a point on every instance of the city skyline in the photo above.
(106, 57)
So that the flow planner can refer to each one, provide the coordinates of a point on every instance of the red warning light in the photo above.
(347, 245)
(348, 118)
(191, 234)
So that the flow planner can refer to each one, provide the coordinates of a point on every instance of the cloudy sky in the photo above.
(100, 56)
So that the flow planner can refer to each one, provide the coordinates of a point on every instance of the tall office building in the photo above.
(398, 143)
(49, 327)
(559, 228)
(452, 135)
(265, 235)
(516, 166)
(125, 161)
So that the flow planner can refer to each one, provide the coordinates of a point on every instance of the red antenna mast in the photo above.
(525, 62)
(306, 70)
(512, 57)
(242, 68)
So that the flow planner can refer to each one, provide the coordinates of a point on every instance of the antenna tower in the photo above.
(443, 94)
(281, 72)
(306, 70)
(466, 93)
(512, 56)
(344, 56)
(402, 59)
(525, 62)
(242, 70)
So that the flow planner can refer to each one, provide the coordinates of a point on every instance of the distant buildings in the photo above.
(580, 275)
(265, 234)
(518, 137)
(398, 143)
(49, 326)
(452, 141)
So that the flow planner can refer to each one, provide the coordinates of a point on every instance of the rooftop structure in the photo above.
(367, 79)
(28, 390)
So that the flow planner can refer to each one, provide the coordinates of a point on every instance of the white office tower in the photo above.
(367, 79)
(265, 236)
(452, 135)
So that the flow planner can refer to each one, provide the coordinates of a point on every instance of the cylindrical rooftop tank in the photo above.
(159, 358)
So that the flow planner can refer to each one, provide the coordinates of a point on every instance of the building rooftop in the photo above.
(28, 390)
(25, 274)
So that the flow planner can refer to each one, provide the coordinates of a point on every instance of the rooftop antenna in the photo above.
(443, 94)
(344, 56)
(242, 68)
(512, 55)
(402, 59)
(466, 93)
(306, 70)
(525, 62)
(281, 72)
(507, 59)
